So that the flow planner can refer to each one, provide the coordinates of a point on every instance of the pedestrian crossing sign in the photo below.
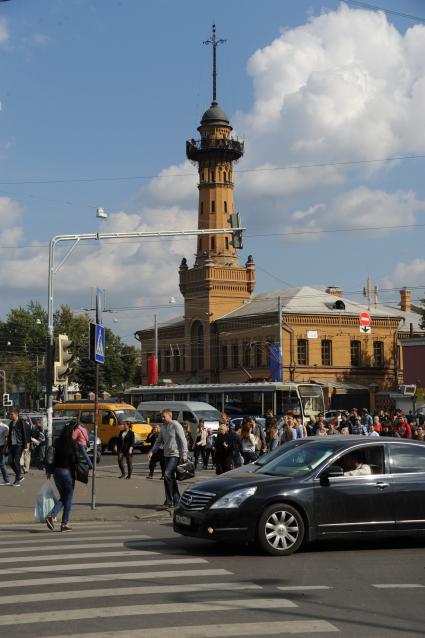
(97, 343)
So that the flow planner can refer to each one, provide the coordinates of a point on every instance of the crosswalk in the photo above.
(106, 580)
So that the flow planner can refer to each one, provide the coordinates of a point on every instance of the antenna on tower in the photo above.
(214, 42)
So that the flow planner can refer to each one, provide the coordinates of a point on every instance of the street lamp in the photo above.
(76, 239)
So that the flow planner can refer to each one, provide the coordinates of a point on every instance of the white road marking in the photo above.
(66, 556)
(276, 628)
(56, 540)
(303, 587)
(142, 610)
(126, 576)
(124, 591)
(43, 532)
(69, 548)
(399, 586)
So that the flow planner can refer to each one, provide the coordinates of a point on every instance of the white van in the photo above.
(190, 411)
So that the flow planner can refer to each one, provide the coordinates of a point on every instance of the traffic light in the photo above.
(63, 356)
(235, 222)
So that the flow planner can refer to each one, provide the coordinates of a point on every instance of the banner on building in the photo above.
(152, 370)
(275, 362)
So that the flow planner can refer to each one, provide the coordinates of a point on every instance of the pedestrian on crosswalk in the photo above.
(64, 471)
(17, 442)
(172, 437)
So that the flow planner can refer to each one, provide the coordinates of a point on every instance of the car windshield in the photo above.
(266, 458)
(298, 461)
(133, 415)
(208, 415)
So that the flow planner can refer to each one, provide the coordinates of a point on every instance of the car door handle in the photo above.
(382, 485)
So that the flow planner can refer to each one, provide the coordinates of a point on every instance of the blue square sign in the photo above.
(99, 344)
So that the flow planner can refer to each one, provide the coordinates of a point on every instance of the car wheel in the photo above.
(280, 530)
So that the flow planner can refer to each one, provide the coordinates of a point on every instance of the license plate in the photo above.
(183, 520)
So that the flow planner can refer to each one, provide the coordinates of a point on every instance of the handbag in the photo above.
(185, 471)
(81, 469)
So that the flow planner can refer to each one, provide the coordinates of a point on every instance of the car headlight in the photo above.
(234, 499)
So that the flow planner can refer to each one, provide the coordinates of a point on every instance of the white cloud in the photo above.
(411, 273)
(345, 86)
(10, 212)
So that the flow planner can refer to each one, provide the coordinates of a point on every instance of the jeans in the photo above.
(158, 457)
(15, 461)
(3, 467)
(199, 450)
(209, 452)
(65, 485)
(172, 494)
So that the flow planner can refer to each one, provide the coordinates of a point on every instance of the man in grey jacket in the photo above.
(173, 439)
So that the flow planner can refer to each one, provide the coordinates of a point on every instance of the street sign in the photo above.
(7, 403)
(311, 334)
(99, 353)
(97, 343)
(364, 319)
(365, 330)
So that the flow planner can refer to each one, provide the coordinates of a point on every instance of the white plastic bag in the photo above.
(44, 502)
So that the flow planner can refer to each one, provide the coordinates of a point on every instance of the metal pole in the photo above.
(279, 310)
(156, 340)
(96, 415)
(50, 342)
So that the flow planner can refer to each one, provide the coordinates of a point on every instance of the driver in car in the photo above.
(356, 466)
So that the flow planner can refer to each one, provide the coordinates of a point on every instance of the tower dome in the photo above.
(215, 116)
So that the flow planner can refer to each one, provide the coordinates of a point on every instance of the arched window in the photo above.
(213, 206)
(197, 338)
(226, 243)
(202, 208)
(224, 176)
(212, 176)
(212, 243)
(225, 206)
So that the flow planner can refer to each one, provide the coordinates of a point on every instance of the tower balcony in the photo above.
(227, 149)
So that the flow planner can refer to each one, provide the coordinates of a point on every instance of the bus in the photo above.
(302, 400)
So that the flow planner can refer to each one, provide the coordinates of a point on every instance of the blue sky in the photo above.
(107, 89)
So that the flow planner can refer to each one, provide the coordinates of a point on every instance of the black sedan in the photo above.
(318, 487)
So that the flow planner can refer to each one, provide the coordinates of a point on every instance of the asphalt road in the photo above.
(134, 580)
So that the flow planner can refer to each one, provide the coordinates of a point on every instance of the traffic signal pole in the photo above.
(75, 239)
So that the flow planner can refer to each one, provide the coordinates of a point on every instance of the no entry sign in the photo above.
(364, 319)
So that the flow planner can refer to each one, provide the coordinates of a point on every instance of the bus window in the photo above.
(287, 402)
(312, 399)
(87, 416)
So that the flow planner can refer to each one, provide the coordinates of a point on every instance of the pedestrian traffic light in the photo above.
(235, 222)
(63, 356)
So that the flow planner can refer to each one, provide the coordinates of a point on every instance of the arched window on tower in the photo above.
(202, 208)
(197, 338)
(226, 243)
(224, 176)
(225, 206)
(213, 205)
(212, 176)
(212, 243)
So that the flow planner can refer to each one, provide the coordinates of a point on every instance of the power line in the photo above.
(400, 14)
(244, 170)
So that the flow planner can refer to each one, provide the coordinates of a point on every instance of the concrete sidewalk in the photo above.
(116, 500)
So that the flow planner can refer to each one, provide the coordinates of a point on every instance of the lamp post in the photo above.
(76, 239)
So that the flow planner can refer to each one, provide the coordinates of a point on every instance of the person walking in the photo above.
(209, 449)
(81, 437)
(17, 442)
(226, 446)
(25, 460)
(63, 470)
(200, 443)
(174, 441)
(4, 432)
(248, 444)
(39, 441)
(188, 435)
(158, 457)
(125, 447)
(273, 435)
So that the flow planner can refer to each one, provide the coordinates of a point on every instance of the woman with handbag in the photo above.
(64, 472)
(200, 443)
(125, 448)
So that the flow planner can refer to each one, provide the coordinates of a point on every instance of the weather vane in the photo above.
(214, 42)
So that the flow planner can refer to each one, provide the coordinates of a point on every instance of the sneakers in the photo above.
(16, 484)
(65, 527)
(149, 476)
(122, 476)
(50, 522)
(5, 483)
(128, 477)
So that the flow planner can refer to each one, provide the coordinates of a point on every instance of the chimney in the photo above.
(405, 300)
(334, 290)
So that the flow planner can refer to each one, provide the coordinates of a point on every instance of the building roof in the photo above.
(174, 322)
(308, 300)
(215, 116)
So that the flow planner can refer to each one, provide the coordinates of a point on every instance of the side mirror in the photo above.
(333, 470)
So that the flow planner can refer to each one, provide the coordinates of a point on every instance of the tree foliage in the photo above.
(23, 339)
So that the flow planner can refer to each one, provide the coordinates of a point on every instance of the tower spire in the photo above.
(214, 43)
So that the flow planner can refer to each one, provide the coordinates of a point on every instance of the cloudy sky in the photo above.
(97, 99)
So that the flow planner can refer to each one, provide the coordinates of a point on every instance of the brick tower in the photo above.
(217, 283)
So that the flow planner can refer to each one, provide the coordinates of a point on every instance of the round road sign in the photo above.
(364, 319)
